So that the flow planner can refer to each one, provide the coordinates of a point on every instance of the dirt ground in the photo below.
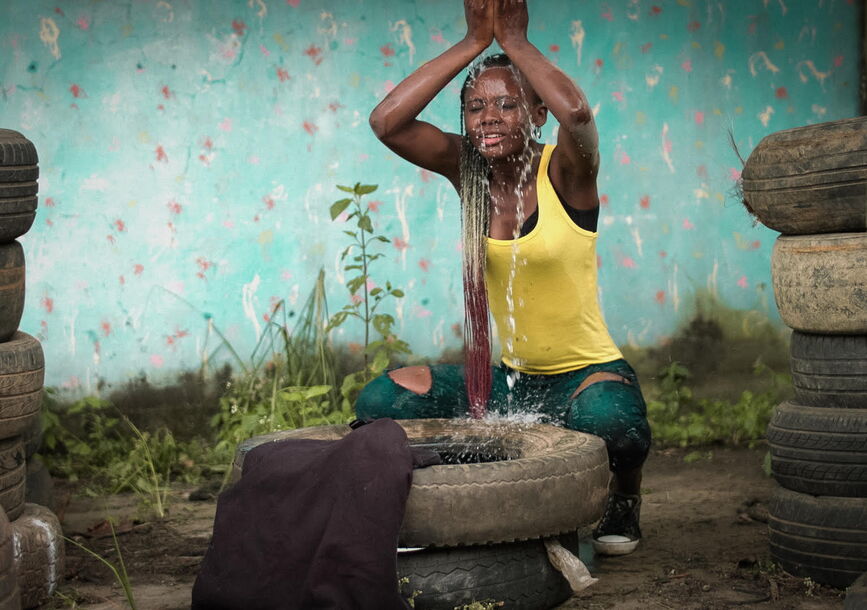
(705, 545)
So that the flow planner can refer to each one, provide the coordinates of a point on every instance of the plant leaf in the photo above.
(346, 189)
(364, 189)
(364, 224)
(338, 206)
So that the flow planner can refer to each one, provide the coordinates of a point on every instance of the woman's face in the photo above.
(497, 114)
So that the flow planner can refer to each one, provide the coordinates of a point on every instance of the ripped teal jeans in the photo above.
(612, 410)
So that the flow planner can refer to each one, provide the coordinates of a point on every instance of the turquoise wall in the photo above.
(189, 151)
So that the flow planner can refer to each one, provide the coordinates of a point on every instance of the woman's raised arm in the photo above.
(394, 120)
(577, 153)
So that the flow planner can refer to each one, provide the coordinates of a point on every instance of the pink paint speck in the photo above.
(645, 48)
(755, 245)
(698, 117)
(226, 125)
(687, 65)
(157, 360)
(388, 86)
(693, 26)
(167, 93)
(83, 23)
(438, 38)
(645, 202)
(106, 328)
(357, 298)
(269, 202)
(49, 202)
(603, 199)
(174, 207)
(424, 264)
(617, 95)
(624, 158)
(782, 93)
(599, 63)
(119, 225)
(386, 50)
(607, 15)
(425, 175)
(735, 174)
(264, 50)
(838, 61)
(138, 269)
(47, 304)
(161, 154)
(399, 243)
(350, 41)
(687, 224)
(76, 91)
(282, 75)
(421, 312)
(314, 53)
(309, 127)
(228, 224)
(239, 27)
(663, 254)
(666, 145)
(660, 297)
(554, 48)
(655, 10)
(373, 206)
(628, 262)
(293, 3)
(743, 282)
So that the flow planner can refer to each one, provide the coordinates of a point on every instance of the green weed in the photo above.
(678, 419)
(119, 571)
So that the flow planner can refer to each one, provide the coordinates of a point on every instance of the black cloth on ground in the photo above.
(312, 524)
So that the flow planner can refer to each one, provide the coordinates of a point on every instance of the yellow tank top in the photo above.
(543, 293)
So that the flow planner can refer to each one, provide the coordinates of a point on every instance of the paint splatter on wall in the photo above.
(189, 152)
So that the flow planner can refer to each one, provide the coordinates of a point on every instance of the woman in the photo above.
(529, 215)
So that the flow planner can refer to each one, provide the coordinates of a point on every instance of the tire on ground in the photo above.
(819, 451)
(819, 282)
(517, 573)
(11, 288)
(9, 593)
(829, 370)
(821, 537)
(564, 471)
(39, 554)
(810, 179)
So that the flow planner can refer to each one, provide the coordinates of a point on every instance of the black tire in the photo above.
(9, 593)
(517, 573)
(32, 438)
(16, 217)
(856, 594)
(15, 149)
(13, 472)
(497, 501)
(829, 370)
(810, 179)
(823, 537)
(22, 372)
(19, 173)
(819, 282)
(819, 451)
(39, 554)
(11, 288)
(18, 190)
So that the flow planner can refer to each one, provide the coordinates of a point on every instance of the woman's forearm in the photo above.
(406, 101)
(564, 99)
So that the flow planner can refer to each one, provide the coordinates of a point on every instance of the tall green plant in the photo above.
(365, 299)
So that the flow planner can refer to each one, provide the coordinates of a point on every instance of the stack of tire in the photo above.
(31, 543)
(474, 525)
(810, 184)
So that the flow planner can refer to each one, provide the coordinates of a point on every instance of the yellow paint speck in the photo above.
(674, 93)
(719, 49)
(719, 197)
(355, 80)
(717, 112)
(663, 36)
(739, 109)
(696, 44)
(132, 203)
(698, 254)
(686, 3)
(281, 42)
(699, 144)
(617, 48)
(640, 118)
(266, 237)
(780, 45)
(790, 109)
(126, 30)
(144, 137)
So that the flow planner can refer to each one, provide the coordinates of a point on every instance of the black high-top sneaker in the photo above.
(618, 532)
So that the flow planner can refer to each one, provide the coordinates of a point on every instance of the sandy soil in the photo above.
(705, 545)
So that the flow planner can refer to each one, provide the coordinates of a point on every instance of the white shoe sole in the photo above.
(614, 545)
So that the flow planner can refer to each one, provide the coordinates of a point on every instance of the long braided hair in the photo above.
(475, 214)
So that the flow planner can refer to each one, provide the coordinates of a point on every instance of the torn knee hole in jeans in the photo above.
(600, 378)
